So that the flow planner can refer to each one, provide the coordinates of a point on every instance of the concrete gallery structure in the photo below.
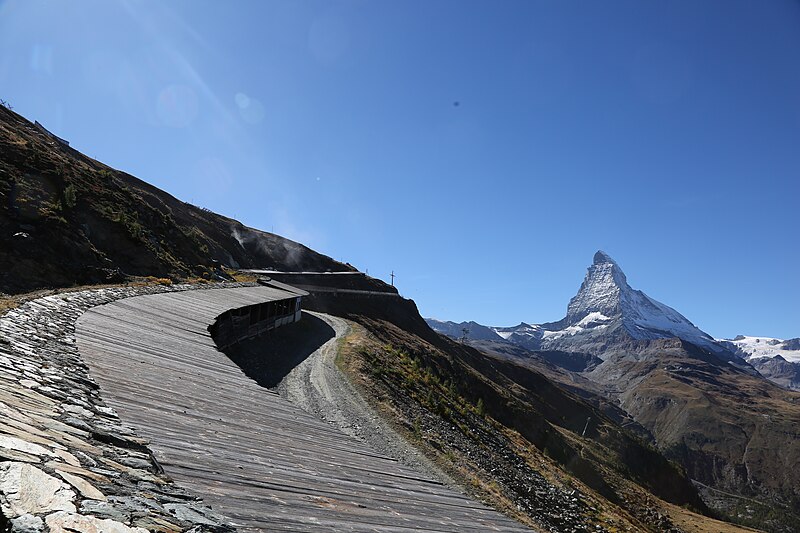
(282, 306)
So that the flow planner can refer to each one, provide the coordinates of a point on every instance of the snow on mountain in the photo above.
(604, 307)
(472, 330)
(595, 320)
(605, 293)
(607, 309)
(528, 336)
(760, 347)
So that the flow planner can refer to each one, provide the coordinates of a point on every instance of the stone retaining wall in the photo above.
(67, 462)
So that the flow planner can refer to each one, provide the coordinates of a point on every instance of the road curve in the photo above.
(251, 454)
(320, 388)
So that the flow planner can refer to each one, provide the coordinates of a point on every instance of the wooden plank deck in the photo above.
(251, 455)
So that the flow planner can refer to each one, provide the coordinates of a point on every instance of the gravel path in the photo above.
(317, 386)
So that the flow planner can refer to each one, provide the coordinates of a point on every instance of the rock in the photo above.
(135, 462)
(13, 455)
(25, 489)
(77, 410)
(159, 525)
(27, 523)
(105, 509)
(63, 522)
(67, 457)
(189, 514)
(13, 443)
(8, 411)
(71, 469)
(86, 489)
(77, 423)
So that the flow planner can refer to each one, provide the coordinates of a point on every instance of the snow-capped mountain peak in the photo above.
(751, 348)
(605, 309)
(605, 290)
(601, 290)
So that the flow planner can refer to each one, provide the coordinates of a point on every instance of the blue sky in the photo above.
(482, 150)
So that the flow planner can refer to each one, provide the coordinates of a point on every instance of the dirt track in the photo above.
(319, 387)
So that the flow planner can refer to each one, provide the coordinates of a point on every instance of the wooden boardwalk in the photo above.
(251, 455)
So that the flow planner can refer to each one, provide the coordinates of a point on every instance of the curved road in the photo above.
(248, 452)
(319, 387)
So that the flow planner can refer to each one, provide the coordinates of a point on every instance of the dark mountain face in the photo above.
(792, 344)
(67, 219)
(779, 370)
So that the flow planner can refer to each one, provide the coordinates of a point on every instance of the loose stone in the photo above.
(25, 489)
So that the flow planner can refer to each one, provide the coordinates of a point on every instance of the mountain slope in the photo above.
(750, 348)
(472, 330)
(66, 218)
(513, 436)
(777, 360)
(734, 431)
(779, 371)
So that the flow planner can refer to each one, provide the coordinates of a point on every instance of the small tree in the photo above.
(70, 196)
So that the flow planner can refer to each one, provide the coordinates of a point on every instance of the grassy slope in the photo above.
(734, 432)
(403, 375)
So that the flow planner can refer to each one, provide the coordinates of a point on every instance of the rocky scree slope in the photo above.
(67, 219)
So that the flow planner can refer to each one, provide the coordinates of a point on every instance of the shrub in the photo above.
(70, 196)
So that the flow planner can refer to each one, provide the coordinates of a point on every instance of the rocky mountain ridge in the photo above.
(776, 359)
(604, 308)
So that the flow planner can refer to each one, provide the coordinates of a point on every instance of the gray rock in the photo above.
(77, 423)
(101, 509)
(189, 513)
(27, 523)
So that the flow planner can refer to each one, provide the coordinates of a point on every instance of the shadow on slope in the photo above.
(269, 358)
